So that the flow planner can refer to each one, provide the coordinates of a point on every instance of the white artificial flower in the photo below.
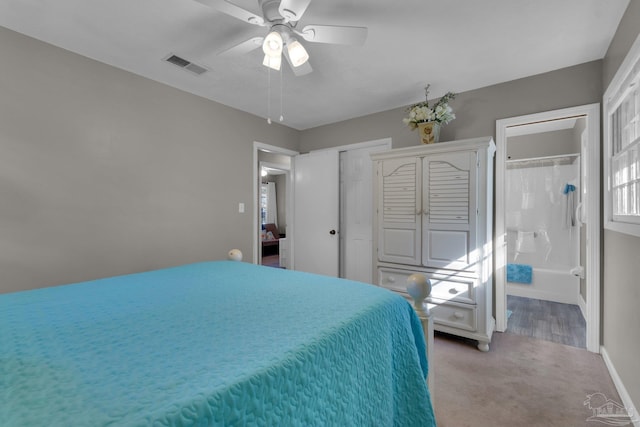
(420, 113)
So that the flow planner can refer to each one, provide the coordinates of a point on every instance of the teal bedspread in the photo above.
(216, 343)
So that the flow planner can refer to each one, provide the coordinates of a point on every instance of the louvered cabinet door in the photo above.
(449, 217)
(399, 210)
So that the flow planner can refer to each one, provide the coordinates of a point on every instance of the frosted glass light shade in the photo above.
(272, 62)
(272, 45)
(297, 53)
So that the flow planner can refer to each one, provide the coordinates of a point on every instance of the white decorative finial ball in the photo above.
(235, 255)
(418, 286)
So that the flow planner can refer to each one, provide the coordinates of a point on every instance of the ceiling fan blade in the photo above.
(292, 10)
(244, 47)
(334, 34)
(301, 70)
(233, 10)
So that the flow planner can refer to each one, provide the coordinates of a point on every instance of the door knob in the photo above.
(332, 232)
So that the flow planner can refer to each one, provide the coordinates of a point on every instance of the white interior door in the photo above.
(356, 206)
(316, 214)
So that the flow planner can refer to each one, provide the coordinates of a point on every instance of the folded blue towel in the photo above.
(519, 273)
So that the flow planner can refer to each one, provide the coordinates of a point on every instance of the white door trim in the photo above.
(259, 146)
(592, 113)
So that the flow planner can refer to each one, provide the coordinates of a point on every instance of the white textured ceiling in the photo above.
(455, 45)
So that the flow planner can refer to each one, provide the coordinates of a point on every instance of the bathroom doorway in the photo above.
(547, 239)
(543, 200)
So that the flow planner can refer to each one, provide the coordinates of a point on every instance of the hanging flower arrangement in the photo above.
(441, 112)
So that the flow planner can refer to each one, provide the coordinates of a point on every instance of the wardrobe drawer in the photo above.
(453, 288)
(457, 316)
(396, 280)
(445, 286)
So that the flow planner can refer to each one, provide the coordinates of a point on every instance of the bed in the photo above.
(215, 343)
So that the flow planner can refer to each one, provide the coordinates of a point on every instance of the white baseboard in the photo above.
(622, 391)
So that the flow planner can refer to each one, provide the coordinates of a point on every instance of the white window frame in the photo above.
(624, 86)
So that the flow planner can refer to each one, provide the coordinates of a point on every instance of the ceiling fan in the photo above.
(281, 17)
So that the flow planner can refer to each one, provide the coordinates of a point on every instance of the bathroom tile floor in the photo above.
(546, 320)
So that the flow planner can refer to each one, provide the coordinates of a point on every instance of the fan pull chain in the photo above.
(281, 114)
(269, 95)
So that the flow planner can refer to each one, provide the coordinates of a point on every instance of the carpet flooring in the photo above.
(521, 381)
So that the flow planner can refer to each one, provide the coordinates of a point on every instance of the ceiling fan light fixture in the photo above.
(272, 45)
(272, 62)
(297, 53)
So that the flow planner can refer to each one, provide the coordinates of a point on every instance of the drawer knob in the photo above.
(391, 279)
(458, 315)
(453, 291)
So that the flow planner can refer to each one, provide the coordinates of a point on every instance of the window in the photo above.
(622, 145)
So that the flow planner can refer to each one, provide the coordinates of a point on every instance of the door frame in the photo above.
(593, 244)
(259, 146)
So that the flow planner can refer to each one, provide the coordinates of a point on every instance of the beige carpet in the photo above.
(520, 382)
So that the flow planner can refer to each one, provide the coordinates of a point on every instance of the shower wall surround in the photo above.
(542, 228)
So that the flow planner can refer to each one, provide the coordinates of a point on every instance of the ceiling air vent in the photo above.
(187, 65)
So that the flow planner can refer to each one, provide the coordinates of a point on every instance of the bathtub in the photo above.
(549, 285)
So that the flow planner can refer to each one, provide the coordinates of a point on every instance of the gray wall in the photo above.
(275, 158)
(543, 144)
(103, 172)
(476, 110)
(621, 311)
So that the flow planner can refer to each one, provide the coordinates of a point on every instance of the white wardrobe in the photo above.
(433, 216)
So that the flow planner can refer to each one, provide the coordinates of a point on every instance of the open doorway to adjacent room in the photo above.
(287, 241)
(547, 226)
(273, 205)
(274, 189)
